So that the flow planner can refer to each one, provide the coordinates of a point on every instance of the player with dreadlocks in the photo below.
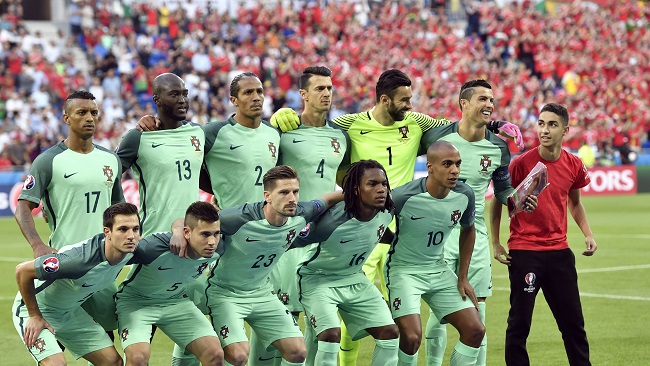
(348, 232)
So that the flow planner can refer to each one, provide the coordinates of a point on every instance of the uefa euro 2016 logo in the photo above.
(530, 278)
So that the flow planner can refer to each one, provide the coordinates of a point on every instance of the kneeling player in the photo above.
(427, 210)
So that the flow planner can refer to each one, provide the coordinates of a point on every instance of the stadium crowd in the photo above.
(593, 59)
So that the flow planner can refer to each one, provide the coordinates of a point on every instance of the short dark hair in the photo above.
(310, 71)
(352, 181)
(388, 83)
(163, 80)
(467, 90)
(122, 208)
(234, 84)
(276, 173)
(78, 94)
(200, 211)
(558, 109)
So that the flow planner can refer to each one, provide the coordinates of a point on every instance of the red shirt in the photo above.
(545, 228)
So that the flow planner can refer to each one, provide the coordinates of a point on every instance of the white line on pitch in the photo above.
(587, 294)
(14, 259)
(596, 270)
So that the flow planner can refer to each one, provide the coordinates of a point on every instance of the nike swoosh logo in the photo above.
(297, 141)
(346, 350)
(163, 269)
(415, 218)
(345, 241)
(66, 176)
(86, 285)
(234, 147)
(156, 145)
(364, 132)
(251, 240)
(265, 359)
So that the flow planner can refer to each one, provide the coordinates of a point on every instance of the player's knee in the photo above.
(54, 360)
(410, 342)
(237, 357)
(332, 335)
(136, 359)
(212, 356)
(388, 332)
(296, 354)
(473, 335)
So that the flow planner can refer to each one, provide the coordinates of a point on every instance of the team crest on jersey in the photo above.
(224, 332)
(284, 297)
(404, 130)
(397, 303)
(108, 172)
(39, 345)
(312, 320)
(485, 163)
(51, 264)
(290, 236)
(196, 143)
(530, 278)
(30, 182)
(455, 217)
(380, 231)
(272, 149)
(336, 145)
(124, 334)
(201, 268)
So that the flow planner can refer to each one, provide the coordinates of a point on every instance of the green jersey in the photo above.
(394, 146)
(252, 248)
(69, 277)
(317, 153)
(167, 165)
(75, 188)
(160, 274)
(237, 157)
(424, 223)
(344, 243)
(483, 160)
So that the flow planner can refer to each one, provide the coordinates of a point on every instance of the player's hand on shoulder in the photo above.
(591, 246)
(148, 123)
(286, 119)
(511, 131)
(35, 324)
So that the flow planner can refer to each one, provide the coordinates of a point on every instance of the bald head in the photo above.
(165, 81)
(439, 149)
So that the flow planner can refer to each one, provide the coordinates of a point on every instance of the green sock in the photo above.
(482, 350)
(326, 354)
(435, 341)
(385, 352)
(287, 363)
(463, 355)
(349, 348)
(406, 360)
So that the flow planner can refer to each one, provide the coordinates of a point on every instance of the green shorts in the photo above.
(180, 320)
(284, 278)
(361, 306)
(270, 319)
(438, 289)
(480, 268)
(101, 306)
(76, 330)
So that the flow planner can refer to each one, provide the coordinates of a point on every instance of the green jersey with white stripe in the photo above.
(344, 244)
(237, 157)
(167, 165)
(424, 223)
(160, 274)
(75, 188)
(252, 248)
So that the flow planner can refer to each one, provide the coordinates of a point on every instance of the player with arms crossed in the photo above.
(331, 281)
(539, 256)
(255, 237)
(153, 293)
(76, 180)
(485, 158)
(393, 135)
(427, 210)
(52, 288)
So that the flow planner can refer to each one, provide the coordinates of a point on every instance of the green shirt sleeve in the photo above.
(128, 148)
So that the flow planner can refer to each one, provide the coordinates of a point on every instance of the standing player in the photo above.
(427, 210)
(154, 291)
(66, 280)
(539, 256)
(394, 136)
(255, 237)
(76, 180)
(167, 162)
(331, 280)
(485, 157)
